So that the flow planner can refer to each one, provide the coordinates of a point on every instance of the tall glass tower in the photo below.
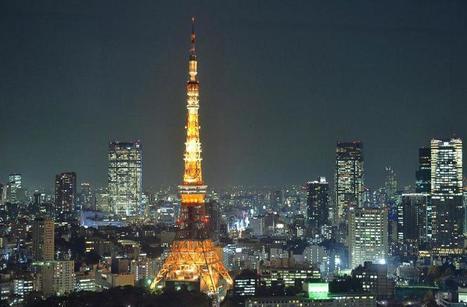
(447, 195)
(349, 177)
(125, 177)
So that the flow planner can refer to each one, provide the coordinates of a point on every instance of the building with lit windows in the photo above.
(349, 177)
(288, 277)
(43, 239)
(125, 177)
(86, 281)
(374, 279)
(86, 197)
(368, 235)
(390, 183)
(22, 287)
(14, 191)
(447, 195)
(246, 284)
(423, 174)
(317, 205)
(57, 277)
(414, 223)
(65, 193)
(333, 300)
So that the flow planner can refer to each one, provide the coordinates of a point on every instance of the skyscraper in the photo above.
(423, 174)
(349, 177)
(368, 235)
(43, 239)
(86, 197)
(125, 177)
(317, 205)
(193, 259)
(390, 183)
(14, 192)
(447, 195)
(414, 224)
(65, 193)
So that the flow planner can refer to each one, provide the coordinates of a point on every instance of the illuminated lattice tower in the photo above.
(193, 256)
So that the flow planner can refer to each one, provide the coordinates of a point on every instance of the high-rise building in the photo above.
(102, 200)
(43, 239)
(15, 193)
(390, 183)
(57, 277)
(317, 205)
(447, 195)
(65, 193)
(125, 177)
(423, 174)
(414, 222)
(368, 235)
(86, 197)
(349, 177)
(194, 259)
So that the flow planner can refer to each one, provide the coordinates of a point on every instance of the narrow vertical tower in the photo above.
(193, 258)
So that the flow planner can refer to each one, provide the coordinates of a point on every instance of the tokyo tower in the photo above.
(193, 257)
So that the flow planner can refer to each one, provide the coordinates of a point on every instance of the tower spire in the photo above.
(193, 38)
(193, 256)
(193, 171)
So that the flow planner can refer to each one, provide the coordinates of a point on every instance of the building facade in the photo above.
(125, 177)
(447, 195)
(423, 174)
(414, 220)
(349, 177)
(317, 205)
(14, 191)
(368, 235)
(43, 239)
(65, 193)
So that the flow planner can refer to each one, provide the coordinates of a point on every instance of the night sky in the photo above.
(281, 82)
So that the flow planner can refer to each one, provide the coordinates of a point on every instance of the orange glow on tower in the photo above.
(193, 256)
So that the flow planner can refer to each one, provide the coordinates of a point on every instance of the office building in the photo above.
(246, 284)
(103, 200)
(86, 197)
(57, 277)
(65, 193)
(390, 183)
(414, 223)
(287, 277)
(14, 192)
(317, 205)
(374, 279)
(423, 174)
(349, 177)
(447, 195)
(43, 239)
(125, 177)
(22, 286)
(368, 235)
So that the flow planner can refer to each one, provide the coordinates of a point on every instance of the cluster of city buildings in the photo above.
(311, 243)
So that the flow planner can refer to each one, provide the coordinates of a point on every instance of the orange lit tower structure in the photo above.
(193, 257)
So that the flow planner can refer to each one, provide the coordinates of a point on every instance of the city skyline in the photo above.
(381, 225)
(289, 73)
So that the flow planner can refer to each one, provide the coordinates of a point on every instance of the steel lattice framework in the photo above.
(193, 256)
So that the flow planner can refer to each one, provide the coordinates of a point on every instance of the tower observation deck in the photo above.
(193, 257)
